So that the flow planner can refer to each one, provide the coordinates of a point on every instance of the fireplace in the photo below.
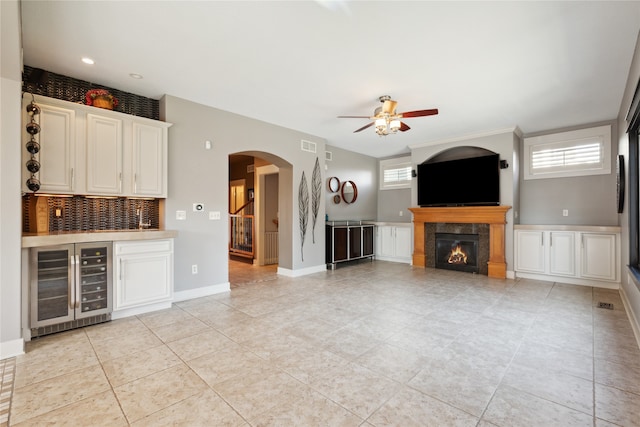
(459, 252)
(493, 217)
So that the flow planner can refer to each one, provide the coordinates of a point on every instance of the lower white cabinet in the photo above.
(393, 243)
(599, 260)
(568, 254)
(143, 276)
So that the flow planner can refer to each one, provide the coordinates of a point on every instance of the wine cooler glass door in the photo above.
(52, 298)
(94, 279)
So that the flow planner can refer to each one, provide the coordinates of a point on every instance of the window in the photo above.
(574, 153)
(395, 173)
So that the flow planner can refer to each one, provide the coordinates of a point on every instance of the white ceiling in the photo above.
(485, 65)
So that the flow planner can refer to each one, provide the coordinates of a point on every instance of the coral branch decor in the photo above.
(303, 210)
(101, 98)
(316, 190)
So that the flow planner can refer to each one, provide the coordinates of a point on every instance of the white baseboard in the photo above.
(201, 292)
(633, 319)
(303, 271)
(11, 348)
(134, 311)
(392, 259)
(511, 274)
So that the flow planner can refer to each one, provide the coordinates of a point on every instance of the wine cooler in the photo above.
(71, 286)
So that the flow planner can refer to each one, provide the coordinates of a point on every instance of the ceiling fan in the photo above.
(386, 119)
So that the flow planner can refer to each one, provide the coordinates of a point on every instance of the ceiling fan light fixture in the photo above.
(395, 125)
(381, 126)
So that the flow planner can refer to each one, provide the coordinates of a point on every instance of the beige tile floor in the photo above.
(370, 344)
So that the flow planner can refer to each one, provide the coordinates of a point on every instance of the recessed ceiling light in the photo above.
(88, 61)
(136, 76)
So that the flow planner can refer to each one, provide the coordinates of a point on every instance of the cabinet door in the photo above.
(529, 253)
(340, 243)
(57, 150)
(386, 241)
(149, 160)
(598, 256)
(562, 253)
(367, 240)
(104, 155)
(143, 279)
(403, 240)
(355, 242)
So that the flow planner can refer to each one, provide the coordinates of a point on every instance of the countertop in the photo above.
(585, 228)
(30, 240)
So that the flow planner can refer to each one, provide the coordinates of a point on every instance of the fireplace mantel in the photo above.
(495, 216)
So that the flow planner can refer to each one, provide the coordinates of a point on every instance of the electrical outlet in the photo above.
(565, 212)
(194, 269)
(401, 213)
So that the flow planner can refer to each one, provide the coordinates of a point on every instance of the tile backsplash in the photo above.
(79, 213)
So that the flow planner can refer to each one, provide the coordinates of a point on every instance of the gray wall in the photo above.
(591, 200)
(200, 175)
(11, 342)
(392, 202)
(361, 169)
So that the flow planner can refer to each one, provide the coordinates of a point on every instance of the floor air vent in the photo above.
(606, 305)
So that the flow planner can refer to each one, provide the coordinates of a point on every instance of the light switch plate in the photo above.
(181, 215)
(214, 215)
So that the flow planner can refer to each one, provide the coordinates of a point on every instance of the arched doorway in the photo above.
(256, 187)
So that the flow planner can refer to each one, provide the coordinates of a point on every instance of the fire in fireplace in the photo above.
(457, 252)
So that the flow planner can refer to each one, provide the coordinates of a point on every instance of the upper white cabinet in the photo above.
(393, 242)
(149, 160)
(57, 149)
(88, 150)
(104, 155)
(569, 254)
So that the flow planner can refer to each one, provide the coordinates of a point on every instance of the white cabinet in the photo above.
(104, 155)
(569, 254)
(599, 256)
(143, 276)
(530, 253)
(57, 155)
(88, 150)
(149, 160)
(393, 243)
(562, 253)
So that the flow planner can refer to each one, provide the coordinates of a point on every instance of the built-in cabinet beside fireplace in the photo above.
(569, 254)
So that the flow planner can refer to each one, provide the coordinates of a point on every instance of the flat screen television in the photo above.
(472, 181)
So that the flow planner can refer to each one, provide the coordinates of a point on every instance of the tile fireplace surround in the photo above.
(495, 216)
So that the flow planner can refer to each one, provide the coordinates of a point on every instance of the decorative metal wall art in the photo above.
(303, 211)
(33, 147)
(316, 192)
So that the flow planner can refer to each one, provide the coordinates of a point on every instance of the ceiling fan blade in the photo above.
(364, 127)
(389, 106)
(354, 117)
(420, 113)
(404, 127)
